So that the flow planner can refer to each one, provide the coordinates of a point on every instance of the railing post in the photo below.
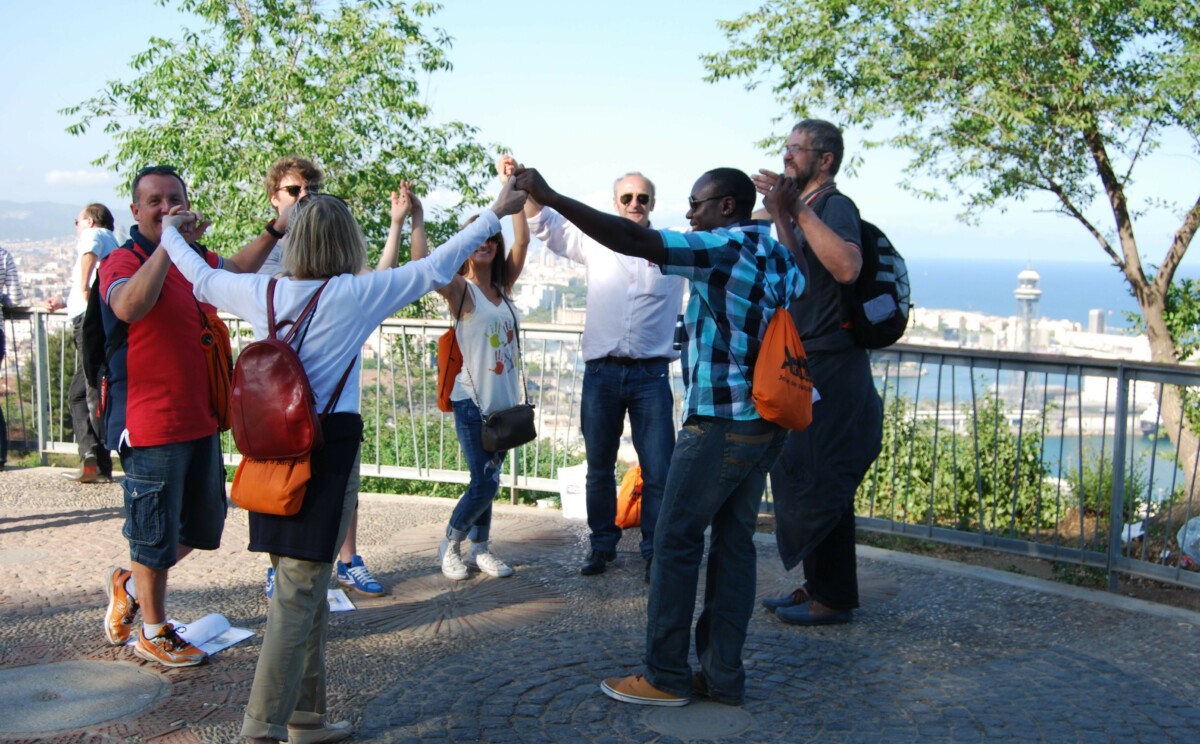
(41, 381)
(1116, 509)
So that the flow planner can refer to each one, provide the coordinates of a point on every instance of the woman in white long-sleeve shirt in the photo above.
(287, 700)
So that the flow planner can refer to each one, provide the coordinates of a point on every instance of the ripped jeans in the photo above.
(472, 517)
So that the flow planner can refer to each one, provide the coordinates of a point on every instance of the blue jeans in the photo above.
(609, 390)
(174, 493)
(718, 473)
(472, 516)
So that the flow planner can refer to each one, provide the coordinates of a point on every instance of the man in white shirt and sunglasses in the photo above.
(628, 347)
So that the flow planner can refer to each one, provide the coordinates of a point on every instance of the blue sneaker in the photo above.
(356, 576)
(270, 582)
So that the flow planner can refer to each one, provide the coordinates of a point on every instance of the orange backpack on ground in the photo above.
(629, 499)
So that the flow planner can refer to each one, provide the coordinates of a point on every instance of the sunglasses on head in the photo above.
(643, 199)
(294, 190)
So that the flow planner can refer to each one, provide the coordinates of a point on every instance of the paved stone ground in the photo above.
(939, 651)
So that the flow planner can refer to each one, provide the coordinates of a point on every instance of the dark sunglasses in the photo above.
(693, 203)
(643, 199)
(294, 190)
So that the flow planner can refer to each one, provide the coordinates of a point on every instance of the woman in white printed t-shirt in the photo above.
(489, 381)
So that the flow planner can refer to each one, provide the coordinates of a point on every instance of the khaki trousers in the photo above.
(289, 681)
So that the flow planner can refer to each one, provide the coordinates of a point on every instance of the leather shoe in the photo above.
(806, 614)
(597, 562)
(798, 597)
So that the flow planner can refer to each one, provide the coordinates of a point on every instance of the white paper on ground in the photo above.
(339, 602)
(210, 633)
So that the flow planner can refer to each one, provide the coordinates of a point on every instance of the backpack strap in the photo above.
(337, 391)
(120, 333)
(273, 327)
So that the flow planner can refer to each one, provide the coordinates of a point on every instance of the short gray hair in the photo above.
(823, 136)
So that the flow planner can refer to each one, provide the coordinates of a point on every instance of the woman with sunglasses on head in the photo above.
(326, 253)
(486, 329)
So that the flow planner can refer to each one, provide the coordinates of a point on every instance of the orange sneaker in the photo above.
(637, 690)
(122, 608)
(168, 649)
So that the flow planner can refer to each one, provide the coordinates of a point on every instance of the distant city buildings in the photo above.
(1025, 331)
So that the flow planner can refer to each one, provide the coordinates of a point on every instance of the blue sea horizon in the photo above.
(1069, 289)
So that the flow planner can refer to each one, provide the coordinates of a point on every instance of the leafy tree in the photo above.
(998, 101)
(254, 80)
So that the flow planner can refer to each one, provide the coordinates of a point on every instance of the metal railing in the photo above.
(1049, 456)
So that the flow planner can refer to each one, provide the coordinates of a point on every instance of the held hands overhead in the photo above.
(530, 181)
(510, 200)
(404, 203)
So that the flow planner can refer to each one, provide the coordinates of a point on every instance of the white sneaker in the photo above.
(452, 562)
(487, 561)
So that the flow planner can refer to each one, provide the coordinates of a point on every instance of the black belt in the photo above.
(630, 361)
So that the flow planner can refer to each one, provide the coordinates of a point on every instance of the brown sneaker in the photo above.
(637, 690)
(168, 649)
(122, 608)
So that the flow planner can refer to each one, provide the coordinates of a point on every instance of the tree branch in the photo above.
(1118, 203)
(1179, 246)
(1137, 152)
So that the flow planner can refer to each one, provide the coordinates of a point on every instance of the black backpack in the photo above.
(98, 347)
(878, 301)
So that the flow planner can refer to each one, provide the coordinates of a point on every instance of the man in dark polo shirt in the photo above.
(814, 480)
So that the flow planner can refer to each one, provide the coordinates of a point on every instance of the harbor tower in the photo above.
(1027, 294)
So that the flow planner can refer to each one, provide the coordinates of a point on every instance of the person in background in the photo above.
(479, 296)
(627, 349)
(94, 241)
(12, 297)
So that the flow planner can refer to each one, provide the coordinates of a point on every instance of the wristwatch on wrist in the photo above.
(270, 228)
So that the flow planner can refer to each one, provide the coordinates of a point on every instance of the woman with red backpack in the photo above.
(325, 253)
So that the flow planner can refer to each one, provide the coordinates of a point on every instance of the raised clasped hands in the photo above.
(510, 200)
(531, 182)
(191, 225)
(404, 203)
(781, 198)
(505, 165)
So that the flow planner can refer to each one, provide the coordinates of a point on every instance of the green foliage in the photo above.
(60, 348)
(1092, 487)
(994, 98)
(930, 475)
(253, 80)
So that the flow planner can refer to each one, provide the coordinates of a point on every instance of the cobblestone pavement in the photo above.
(938, 652)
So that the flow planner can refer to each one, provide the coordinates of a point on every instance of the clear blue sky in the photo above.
(582, 90)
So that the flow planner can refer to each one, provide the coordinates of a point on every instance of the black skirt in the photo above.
(311, 533)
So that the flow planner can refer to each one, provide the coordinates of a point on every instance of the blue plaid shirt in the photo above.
(743, 275)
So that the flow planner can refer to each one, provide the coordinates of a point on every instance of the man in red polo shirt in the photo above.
(159, 416)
